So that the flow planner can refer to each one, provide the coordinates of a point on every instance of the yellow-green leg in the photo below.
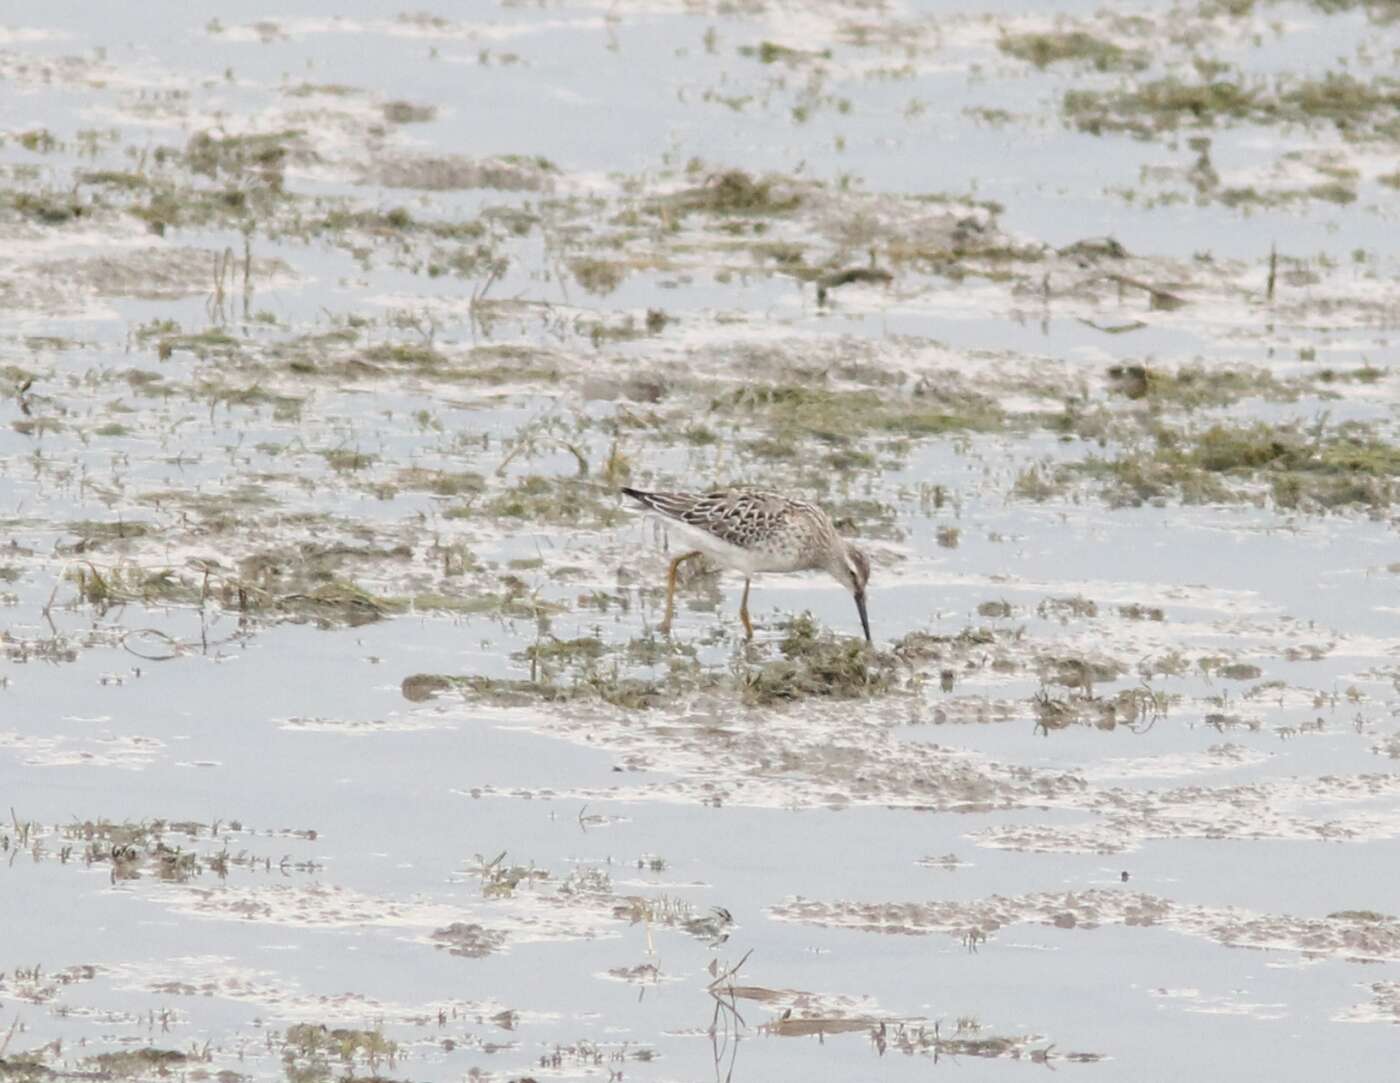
(671, 589)
(744, 613)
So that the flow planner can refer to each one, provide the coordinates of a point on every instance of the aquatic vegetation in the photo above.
(318, 410)
(314, 1050)
(264, 154)
(797, 412)
(1322, 469)
(811, 663)
(596, 276)
(439, 173)
(469, 940)
(1362, 110)
(539, 499)
(816, 663)
(140, 1063)
(736, 192)
(1196, 387)
(770, 52)
(401, 112)
(46, 208)
(1076, 46)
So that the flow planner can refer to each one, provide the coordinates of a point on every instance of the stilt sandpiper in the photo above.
(753, 531)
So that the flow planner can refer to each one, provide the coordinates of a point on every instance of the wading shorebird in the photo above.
(754, 531)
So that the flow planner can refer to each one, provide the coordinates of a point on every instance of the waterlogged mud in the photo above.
(1357, 936)
(331, 342)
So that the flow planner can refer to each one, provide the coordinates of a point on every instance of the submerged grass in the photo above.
(1194, 386)
(573, 501)
(794, 412)
(133, 1063)
(735, 192)
(1315, 469)
(1358, 108)
(312, 1040)
(812, 663)
(237, 155)
(1075, 46)
(817, 664)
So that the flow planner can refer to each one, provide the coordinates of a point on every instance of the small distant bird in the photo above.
(754, 531)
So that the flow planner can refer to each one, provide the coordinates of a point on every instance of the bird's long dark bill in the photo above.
(864, 619)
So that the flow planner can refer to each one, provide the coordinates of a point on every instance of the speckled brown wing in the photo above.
(746, 518)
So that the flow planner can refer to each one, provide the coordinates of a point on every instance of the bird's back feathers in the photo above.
(745, 518)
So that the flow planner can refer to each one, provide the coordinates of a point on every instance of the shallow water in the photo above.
(1116, 795)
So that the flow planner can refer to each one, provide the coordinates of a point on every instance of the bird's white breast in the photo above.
(748, 561)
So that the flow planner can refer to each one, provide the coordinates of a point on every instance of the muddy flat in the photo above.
(339, 735)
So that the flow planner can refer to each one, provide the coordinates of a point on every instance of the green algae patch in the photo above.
(347, 460)
(451, 172)
(1360, 109)
(1075, 46)
(122, 583)
(337, 603)
(770, 52)
(133, 1063)
(315, 1052)
(626, 692)
(735, 192)
(397, 355)
(1346, 450)
(401, 112)
(27, 1066)
(441, 482)
(1195, 387)
(557, 501)
(265, 154)
(212, 342)
(816, 663)
(93, 533)
(468, 939)
(812, 663)
(599, 277)
(421, 687)
(47, 208)
(1318, 469)
(490, 365)
(397, 220)
(313, 1039)
(1162, 104)
(555, 650)
(794, 412)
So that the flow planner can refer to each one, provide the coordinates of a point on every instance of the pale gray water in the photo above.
(289, 728)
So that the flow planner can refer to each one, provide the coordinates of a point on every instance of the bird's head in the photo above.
(852, 569)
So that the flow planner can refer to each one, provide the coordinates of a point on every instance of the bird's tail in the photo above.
(645, 499)
(671, 505)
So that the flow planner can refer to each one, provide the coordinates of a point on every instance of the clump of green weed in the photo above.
(598, 276)
(468, 939)
(737, 192)
(555, 500)
(1158, 105)
(264, 154)
(555, 651)
(46, 208)
(794, 411)
(1360, 109)
(398, 112)
(129, 1063)
(818, 664)
(1194, 387)
(1077, 46)
(1321, 468)
(770, 52)
(309, 1048)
